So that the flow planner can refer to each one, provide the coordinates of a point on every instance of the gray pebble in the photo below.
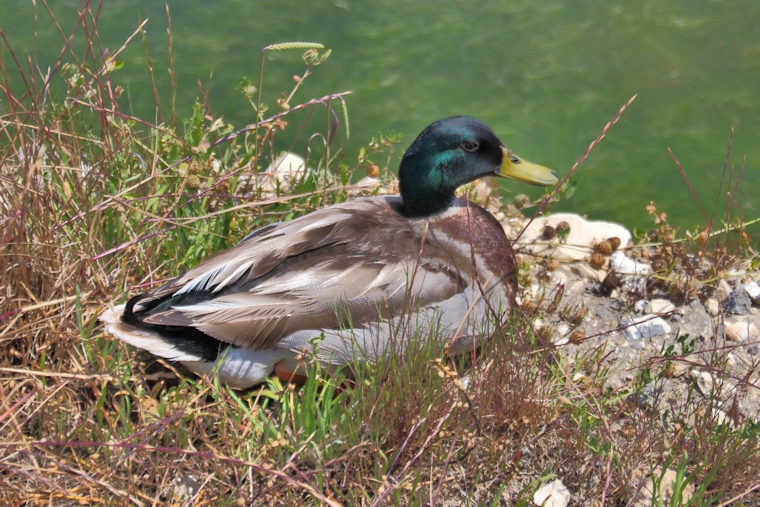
(738, 302)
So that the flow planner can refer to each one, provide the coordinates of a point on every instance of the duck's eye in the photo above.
(470, 146)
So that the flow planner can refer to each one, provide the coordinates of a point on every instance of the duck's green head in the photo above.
(455, 151)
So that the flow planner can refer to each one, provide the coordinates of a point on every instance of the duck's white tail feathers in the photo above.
(143, 338)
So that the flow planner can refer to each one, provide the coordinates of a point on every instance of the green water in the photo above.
(546, 76)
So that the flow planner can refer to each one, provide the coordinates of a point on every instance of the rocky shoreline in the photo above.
(696, 339)
(639, 324)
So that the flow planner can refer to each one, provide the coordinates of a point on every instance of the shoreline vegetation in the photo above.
(96, 204)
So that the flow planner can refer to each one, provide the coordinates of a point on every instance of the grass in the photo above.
(97, 204)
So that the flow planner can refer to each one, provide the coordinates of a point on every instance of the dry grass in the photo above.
(95, 204)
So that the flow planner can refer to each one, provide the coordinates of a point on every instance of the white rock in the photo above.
(578, 244)
(552, 494)
(185, 487)
(632, 274)
(753, 289)
(712, 386)
(712, 307)
(533, 290)
(723, 290)
(705, 381)
(583, 270)
(740, 331)
(581, 378)
(576, 287)
(660, 307)
(640, 306)
(646, 326)
(561, 331)
(283, 172)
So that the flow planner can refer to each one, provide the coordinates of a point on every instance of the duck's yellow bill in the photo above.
(520, 169)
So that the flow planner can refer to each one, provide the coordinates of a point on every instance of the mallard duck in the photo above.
(349, 281)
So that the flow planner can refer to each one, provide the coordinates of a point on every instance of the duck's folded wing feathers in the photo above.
(324, 270)
(312, 297)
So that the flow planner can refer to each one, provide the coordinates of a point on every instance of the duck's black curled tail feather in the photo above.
(189, 339)
(129, 317)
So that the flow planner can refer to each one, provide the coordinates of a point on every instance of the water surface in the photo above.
(546, 76)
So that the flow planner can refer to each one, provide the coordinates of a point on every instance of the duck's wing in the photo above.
(341, 266)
